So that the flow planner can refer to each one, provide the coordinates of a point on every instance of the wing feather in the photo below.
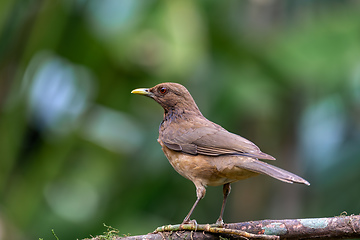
(212, 141)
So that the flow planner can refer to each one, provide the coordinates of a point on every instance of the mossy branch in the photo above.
(341, 227)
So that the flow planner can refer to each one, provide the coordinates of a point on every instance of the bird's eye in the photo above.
(163, 90)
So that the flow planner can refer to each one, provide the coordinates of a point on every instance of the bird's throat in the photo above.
(171, 115)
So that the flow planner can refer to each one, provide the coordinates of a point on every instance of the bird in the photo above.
(203, 151)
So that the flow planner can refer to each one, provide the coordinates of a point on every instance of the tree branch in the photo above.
(342, 227)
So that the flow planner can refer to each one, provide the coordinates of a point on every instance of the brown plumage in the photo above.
(203, 151)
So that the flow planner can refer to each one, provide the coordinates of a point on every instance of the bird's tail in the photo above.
(272, 171)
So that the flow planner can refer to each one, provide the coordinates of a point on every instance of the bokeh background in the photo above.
(77, 150)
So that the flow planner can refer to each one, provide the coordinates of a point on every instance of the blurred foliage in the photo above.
(78, 150)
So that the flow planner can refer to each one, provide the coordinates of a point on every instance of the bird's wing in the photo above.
(212, 141)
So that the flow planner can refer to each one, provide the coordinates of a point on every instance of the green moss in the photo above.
(110, 234)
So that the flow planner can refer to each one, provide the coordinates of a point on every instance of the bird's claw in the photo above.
(192, 222)
(190, 225)
(220, 222)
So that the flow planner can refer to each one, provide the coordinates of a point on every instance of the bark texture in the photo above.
(342, 227)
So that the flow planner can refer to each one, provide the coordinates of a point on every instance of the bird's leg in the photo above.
(187, 218)
(200, 193)
(226, 192)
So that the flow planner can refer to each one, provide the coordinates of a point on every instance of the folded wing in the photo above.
(212, 141)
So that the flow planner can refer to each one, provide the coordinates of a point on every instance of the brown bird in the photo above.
(203, 151)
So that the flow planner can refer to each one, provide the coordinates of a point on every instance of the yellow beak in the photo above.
(141, 91)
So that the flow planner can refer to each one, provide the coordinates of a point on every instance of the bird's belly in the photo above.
(203, 169)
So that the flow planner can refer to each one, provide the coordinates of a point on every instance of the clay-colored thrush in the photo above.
(203, 151)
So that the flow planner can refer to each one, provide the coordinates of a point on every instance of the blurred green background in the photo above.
(78, 150)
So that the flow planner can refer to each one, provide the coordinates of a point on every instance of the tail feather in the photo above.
(272, 171)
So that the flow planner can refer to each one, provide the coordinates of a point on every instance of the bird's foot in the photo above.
(192, 222)
(190, 225)
(219, 223)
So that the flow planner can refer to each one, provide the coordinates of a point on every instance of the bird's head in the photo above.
(173, 97)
